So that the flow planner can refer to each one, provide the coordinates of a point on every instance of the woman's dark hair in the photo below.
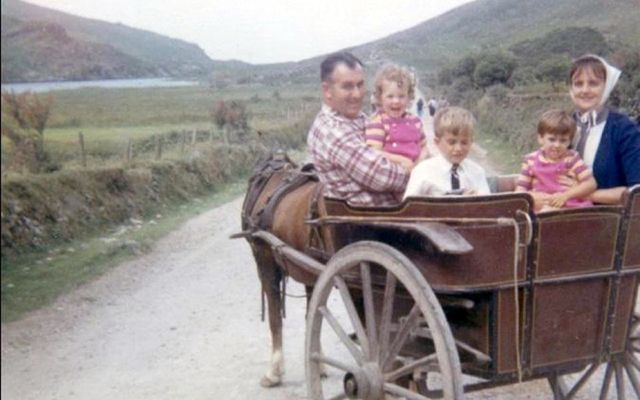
(588, 61)
(329, 64)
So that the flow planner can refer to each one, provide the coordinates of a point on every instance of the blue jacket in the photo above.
(617, 160)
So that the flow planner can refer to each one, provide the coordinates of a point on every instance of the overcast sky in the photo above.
(263, 31)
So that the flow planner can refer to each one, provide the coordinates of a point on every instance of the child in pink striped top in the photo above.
(393, 130)
(542, 170)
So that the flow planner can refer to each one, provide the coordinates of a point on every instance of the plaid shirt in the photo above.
(348, 168)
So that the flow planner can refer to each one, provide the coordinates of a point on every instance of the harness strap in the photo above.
(291, 183)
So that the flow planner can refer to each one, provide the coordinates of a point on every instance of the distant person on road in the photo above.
(393, 130)
(609, 142)
(432, 105)
(420, 107)
(348, 168)
(450, 172)
(542, 170)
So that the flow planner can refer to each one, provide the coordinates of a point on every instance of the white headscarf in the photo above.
(612, 74)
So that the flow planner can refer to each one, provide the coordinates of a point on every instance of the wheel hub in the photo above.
(366, 383)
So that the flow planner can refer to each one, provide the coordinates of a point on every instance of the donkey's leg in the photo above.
(270, 277)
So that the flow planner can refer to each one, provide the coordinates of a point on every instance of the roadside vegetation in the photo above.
(150, 158)
(508, 89)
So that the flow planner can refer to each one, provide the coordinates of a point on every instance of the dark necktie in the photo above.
(455, 179)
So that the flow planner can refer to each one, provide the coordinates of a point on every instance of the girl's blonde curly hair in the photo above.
(398, 74)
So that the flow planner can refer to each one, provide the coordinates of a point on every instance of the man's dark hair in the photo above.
(331, 62)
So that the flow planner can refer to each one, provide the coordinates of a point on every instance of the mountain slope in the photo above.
(31, 50)
(479, 26)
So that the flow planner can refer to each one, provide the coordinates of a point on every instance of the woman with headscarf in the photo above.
(609, 142)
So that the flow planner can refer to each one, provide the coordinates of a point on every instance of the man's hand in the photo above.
(404, 162)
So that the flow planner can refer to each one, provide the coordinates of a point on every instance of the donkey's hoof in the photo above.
(268, 381)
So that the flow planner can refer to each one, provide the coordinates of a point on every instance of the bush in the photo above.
(494, 68)
(41, 209)
(553, 70)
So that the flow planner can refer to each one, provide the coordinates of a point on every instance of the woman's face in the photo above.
(586, 90)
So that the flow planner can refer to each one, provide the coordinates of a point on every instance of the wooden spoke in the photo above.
(633, 360)
(409, 368)
(633, 378)
(405, 328)
(353, 313)
(396, 390)
(369, 310)
(342, 335)
(381, 336)
(332, 362)
(605, 383)
(583, 379)
(619, 381)
(387, 313)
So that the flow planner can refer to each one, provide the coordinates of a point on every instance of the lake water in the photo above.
(110, 83)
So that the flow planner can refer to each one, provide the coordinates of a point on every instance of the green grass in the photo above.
(34, 280)
(158, 108)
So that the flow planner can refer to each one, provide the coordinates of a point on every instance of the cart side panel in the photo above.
(573, 242)
(506, 352)
(574, 269)
(568, 321)
(624, 309)
(631, 255)
(490, 264)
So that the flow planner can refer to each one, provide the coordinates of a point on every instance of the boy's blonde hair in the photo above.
(394, 73)
(557, 122)
(454, 120)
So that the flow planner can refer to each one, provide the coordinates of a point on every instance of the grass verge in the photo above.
(33, 280)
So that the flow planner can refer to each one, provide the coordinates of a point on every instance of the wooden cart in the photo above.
(446, 295)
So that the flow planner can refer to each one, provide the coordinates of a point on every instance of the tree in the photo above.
(494, 68)
(24, 120)
(553, 70)
(230, 116)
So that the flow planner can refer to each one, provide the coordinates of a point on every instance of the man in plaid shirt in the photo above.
(346, 166)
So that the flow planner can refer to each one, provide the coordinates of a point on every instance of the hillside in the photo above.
(40, 44)
(478, 26)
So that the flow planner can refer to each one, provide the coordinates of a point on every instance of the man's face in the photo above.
(344, 91)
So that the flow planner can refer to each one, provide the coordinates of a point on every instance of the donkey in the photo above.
(277, 200)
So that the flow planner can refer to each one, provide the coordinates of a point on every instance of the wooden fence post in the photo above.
(158, 147)
(194, 135)
(128, 151)
(182, 142)
(83, 155)
(211, 135)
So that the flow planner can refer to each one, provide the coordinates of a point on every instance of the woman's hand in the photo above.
(557, 200)
(568, 180)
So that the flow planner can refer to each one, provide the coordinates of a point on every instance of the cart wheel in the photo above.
(627, 363)
(371, 363)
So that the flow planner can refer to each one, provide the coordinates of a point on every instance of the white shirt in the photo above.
(592, 143)
(433, 177)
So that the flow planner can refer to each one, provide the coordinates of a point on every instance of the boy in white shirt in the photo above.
(450, 172)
